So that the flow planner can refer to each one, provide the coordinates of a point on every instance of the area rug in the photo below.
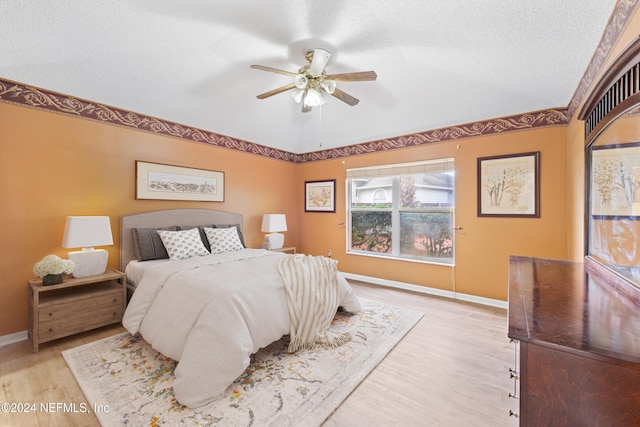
(132, 382)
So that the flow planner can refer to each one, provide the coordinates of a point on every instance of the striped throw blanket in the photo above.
(311, 285)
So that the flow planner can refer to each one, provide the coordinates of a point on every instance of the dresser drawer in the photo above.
(88, 305)
(79, 322)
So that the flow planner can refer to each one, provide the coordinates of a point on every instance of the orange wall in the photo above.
(483, 245)
(53, 165)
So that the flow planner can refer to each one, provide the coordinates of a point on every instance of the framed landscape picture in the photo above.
(509, 185)
(166, 182)
(320, 196)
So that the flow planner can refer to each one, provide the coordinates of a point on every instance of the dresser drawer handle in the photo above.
(50, 314)
(50, 329)
(115, 299)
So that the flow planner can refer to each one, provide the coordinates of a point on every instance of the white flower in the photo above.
(52, 264)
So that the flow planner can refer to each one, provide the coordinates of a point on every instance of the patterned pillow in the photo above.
(200, 228)
(183, 244)
(237, 228)
(223, 239)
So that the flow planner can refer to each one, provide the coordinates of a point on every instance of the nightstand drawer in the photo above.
(79, 322)
(88, 305)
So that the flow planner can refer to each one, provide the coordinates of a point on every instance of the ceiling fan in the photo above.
(312, 83)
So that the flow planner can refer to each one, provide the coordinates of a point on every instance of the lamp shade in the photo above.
(313, 98)
(274, 223)
(87, 231)
(298, 95)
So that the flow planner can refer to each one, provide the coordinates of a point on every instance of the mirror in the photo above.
(612, 132)
(614, 196)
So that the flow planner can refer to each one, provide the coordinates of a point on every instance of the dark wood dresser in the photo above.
(579, 344)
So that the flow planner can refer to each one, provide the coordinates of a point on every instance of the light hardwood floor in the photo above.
(450, 370)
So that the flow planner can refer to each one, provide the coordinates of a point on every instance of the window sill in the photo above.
(395, 258)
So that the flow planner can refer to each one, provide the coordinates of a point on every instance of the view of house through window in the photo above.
(403, 211)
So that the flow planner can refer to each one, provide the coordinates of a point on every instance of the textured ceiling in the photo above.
(439, 62)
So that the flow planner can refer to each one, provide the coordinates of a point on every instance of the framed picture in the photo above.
(166, 182)
(509, 185)
(320, 196)
(615, 181)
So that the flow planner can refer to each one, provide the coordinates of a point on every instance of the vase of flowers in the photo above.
(52, 269)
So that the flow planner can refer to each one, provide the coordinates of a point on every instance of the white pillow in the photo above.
(183, 244)
(223, 239)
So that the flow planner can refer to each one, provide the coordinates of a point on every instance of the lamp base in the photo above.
(274, 241)
(89, 263)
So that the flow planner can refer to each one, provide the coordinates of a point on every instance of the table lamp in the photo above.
(86, 232)
(273, 223)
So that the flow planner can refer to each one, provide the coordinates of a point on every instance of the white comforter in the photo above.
(211, 313)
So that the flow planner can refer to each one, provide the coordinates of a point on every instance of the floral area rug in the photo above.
(133, 382)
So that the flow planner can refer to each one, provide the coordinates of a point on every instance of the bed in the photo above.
(211, 312)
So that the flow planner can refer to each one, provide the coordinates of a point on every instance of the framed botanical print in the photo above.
(615, 181)
(320, 196)
(509, 185)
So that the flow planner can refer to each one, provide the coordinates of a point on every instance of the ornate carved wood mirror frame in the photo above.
(612, 169)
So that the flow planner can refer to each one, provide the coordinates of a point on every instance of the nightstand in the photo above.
(291, 249)
(75, 305)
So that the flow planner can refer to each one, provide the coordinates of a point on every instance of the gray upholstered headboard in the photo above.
(180, 217)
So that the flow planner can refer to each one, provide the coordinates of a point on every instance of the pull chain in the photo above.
(320, 124)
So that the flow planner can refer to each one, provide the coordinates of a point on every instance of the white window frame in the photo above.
(395, 171)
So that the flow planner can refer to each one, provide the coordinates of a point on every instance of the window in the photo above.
(403, 211)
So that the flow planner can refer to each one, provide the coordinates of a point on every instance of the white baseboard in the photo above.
(428, 290)
(12, 338)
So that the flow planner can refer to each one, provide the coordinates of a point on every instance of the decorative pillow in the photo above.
(223, 239)
(183, 244)
(237, 229)
(200, 228)
(204, 237)
(148, 244)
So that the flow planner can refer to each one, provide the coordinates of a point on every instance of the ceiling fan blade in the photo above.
(273, 70)
(345, 97)
(319, 61)
(276, 91)
(359, 76)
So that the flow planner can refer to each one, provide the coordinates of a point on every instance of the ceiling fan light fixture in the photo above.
(323, 97)
(329, 86)
(301, 81)
(313, 98)
(298, 95)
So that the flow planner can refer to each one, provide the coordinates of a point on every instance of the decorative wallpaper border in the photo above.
(42, 99)
(29, 96)
(620, 16)
(545, 118)
(32, 97)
